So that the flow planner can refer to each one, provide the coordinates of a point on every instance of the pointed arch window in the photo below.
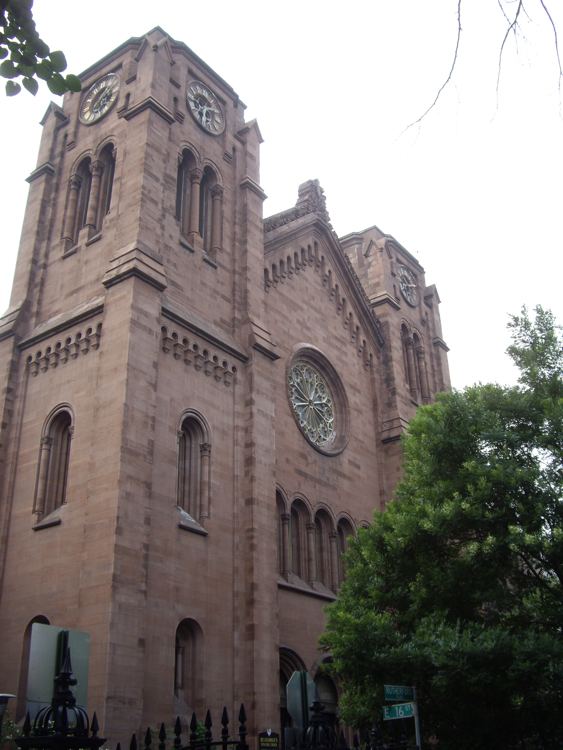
(54, 459)
(194, 453)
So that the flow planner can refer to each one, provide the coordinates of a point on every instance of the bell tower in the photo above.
(137, 310)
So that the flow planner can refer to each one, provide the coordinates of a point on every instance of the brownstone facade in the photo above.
(199, 405)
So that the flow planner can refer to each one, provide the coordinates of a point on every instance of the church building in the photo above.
(200, 405)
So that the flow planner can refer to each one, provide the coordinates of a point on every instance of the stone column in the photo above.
(44, 455)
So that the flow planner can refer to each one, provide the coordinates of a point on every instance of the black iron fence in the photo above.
(65, 726)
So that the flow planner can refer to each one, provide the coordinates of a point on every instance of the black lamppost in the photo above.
(63, 725)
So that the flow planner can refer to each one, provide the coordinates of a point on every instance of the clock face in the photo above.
(312, 403)
(205, 108)
(99, 99)
(407, 283)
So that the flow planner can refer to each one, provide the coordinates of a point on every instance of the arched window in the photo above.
(298, 533)
(194, 453)
(210, 210)
(84, 174)
(186, 190)
(344, 531)
(21, 705)
(420, 367)
(77, 203)
(323, 528)
(404, 346)
(52, 475)
(283, 535)
(188, 668)
(107, 163)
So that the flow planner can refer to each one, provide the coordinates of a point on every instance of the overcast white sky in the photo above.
(475, 192)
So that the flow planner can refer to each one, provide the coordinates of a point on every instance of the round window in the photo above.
(317, 401)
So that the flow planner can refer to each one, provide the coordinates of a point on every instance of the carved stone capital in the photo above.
(195, 175)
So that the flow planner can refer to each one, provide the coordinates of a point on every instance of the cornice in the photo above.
(150, 103)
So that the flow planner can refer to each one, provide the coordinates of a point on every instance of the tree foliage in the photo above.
(457, 587)
(25, 56)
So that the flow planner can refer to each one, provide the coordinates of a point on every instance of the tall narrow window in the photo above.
(193, 468)
(322, 549)
(54, 464)
(85, 176)
(420, 366)
(107, 160)
(298, 534)
(77, 202)
(344, 532)
(185, 192)
(206, 208)
(188, 668)
(281, 534)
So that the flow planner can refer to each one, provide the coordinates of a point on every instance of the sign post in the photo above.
(402, 710)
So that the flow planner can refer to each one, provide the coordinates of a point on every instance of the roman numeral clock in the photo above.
(205, 108)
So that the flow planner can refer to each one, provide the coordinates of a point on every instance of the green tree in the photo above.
(457, 587)
(25, 55)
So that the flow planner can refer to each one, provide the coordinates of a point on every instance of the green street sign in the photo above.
(398, 711)
(398, 692)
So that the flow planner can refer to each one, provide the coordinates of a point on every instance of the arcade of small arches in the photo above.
(414, 363)
(311, 545)
(199, 203)
(199, 200)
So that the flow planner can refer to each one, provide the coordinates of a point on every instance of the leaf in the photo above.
(3, 53)
(41, 49)
(44, 70)
(58, 61)
(57, 84)
(8, 69)
(12, 88)
(73, 82)
(31, 85)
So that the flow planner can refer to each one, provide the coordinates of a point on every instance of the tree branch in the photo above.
(556, 40)
(512, 26)
(449, 76)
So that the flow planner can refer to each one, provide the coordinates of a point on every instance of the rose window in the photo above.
(312, 403)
